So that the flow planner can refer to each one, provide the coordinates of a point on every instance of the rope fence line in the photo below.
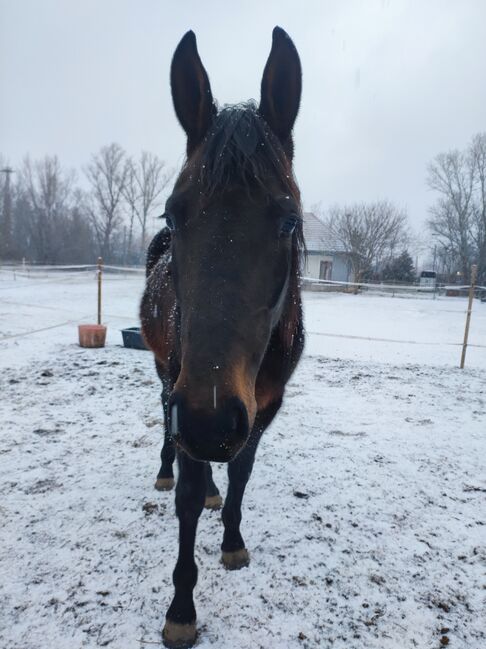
(73, 280)
(310, 333)
(391, 340)
(35, 331)
(59, 309)
(391, 287)
(70, 276)
(82, 268)
(60, 324)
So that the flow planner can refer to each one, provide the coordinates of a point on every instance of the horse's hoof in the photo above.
(235, 560)
(213, 502)
(164, 484)
(179, 636)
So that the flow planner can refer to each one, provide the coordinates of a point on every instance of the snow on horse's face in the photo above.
(235, 221)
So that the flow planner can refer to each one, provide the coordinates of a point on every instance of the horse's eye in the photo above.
(288, 225)
(169, 221)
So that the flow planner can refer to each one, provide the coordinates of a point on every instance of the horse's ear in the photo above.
(281, 85)
(191, 92)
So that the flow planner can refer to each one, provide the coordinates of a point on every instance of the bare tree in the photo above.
(107, 175)
(131, 194)
(50, 220)
(451, 175)
(371, 233)
(48, 192)
(458, 216)
(478, 160)
(146, 180)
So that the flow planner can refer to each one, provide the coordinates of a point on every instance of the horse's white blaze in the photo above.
(214, 397)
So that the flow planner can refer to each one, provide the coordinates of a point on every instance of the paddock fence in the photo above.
(18, 276)
(393, 289)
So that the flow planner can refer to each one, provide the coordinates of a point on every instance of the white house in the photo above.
(326, 257)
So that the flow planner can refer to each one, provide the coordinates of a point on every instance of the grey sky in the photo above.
(387, 83)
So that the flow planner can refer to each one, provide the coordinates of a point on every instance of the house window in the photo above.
(325, 270)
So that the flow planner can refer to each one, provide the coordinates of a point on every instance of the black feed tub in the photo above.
(132, 338)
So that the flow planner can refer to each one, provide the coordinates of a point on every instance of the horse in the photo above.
(221, 310)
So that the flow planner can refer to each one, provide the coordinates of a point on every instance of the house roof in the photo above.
(318, 237)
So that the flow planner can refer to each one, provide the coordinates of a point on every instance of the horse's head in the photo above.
(235, 221)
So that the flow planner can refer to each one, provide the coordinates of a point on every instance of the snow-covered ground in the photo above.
(365, 516)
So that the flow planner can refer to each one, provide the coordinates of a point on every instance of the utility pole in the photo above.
(6, 224)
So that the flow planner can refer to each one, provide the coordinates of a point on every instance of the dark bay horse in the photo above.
(222, 309)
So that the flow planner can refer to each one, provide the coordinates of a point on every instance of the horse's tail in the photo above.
(159, 244)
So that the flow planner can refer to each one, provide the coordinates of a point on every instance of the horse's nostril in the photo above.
(208, 434)
(238, 419)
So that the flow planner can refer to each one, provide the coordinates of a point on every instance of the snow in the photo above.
(364, 517)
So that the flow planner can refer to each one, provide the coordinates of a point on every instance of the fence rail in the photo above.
(388, 288)
(32, 268)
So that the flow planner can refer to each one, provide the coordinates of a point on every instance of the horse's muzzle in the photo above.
(208, 435)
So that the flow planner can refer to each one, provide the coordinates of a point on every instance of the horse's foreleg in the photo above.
(165, 476)
(213, 497)
(234, 553)
(180, 625)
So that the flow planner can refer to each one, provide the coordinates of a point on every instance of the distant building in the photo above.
(326, 257)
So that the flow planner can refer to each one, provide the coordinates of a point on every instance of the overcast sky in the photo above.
(387, 83)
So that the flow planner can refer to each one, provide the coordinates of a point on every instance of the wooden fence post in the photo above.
(474, 271)
(100, 271)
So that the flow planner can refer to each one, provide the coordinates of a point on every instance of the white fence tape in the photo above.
(400, 341)
(81, 267)
(390, 287)
(397, 287)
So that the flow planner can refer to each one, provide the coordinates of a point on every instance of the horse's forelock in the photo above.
(239, 149)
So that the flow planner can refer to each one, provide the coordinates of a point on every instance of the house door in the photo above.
(325, 270)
